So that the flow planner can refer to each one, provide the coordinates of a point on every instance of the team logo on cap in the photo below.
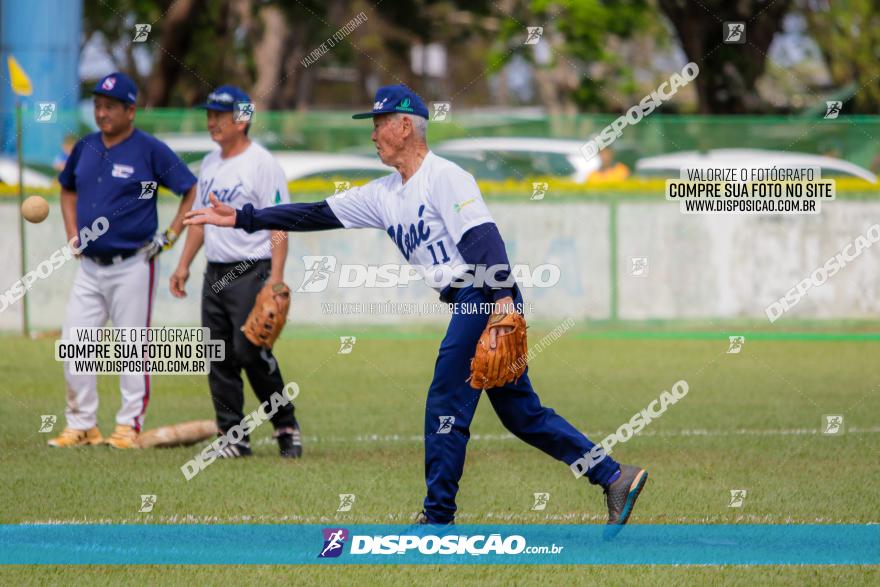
(109, 83)
(222, 97)
(380, 105)
(405, 105)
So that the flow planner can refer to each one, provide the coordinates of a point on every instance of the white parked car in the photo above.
(671, 164)
(33, 179)
(182, 143)
(309, 164)
(528, 157)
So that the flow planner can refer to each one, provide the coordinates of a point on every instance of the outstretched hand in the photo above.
(218, 214)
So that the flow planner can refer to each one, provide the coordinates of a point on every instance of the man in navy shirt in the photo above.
(109, 187)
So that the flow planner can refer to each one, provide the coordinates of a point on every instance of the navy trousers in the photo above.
(451, 404)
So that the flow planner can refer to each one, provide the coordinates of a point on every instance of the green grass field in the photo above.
(750, 421)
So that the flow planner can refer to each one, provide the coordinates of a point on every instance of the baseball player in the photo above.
(240, 264)
(435, 215)
(114, 174)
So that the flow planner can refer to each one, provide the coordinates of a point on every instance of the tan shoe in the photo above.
(123, 437)
(73, 437)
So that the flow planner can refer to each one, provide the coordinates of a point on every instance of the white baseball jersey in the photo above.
(251, 177)
(425, 217)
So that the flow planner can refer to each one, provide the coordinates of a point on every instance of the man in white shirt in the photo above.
(434, 213)
(240, 264)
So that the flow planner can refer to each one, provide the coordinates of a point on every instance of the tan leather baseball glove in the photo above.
(268, 316)
(507, 362)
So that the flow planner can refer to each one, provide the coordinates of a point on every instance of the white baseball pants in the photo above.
(124, 293)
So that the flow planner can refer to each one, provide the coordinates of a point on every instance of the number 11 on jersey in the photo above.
(445, 257)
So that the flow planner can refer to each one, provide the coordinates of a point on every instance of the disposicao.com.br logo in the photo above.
(429, 544)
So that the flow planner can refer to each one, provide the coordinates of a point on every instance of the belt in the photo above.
(106, 260)
(218, 267)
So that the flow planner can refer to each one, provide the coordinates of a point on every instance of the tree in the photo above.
(849, 38)
(175, 40)
(182, 45)
(577, 34)
(728, 72)
(114, 23)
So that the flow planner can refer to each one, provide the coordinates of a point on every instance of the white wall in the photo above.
(699, 266)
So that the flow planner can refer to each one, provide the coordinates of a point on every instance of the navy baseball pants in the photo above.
(452, 402)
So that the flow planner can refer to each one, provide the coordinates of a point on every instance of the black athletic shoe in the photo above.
(289, 442)
(621, 497)
(234, 451)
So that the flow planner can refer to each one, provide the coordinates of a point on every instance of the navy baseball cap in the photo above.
(119, 86)
(396, 99)
(224, 99)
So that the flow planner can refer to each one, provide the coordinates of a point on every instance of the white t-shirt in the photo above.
(425, 217)
(251, 177)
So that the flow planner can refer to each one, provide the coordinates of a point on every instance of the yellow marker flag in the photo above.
(18, 79)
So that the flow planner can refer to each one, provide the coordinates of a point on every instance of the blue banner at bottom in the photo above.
(466, 544)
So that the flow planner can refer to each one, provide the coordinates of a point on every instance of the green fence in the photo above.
(854, 138)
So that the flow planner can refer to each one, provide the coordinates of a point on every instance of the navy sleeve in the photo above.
(482, 246)
(67, 177)
(290, 217)
(170, 170)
